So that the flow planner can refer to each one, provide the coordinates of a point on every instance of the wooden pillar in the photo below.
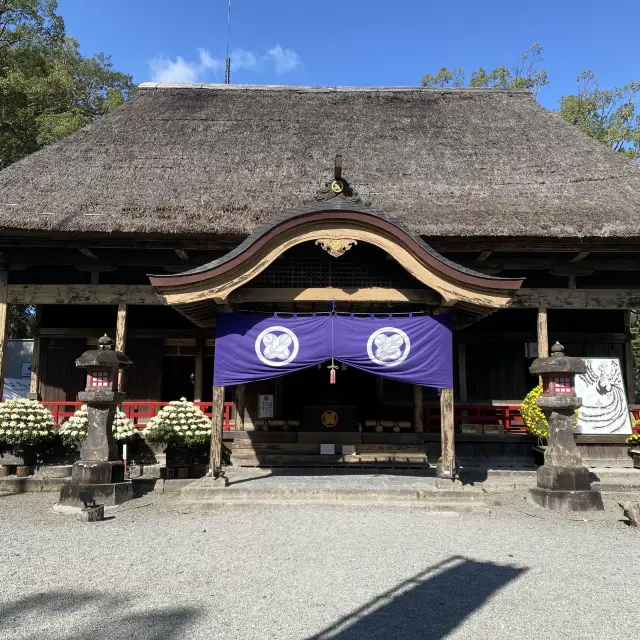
(4, 288)
(240, 407)
(543, 333)
(447, 464)
(630, 369)
(34, 383)
(197, 374)
(121, 337)
(217, 424)
(418, 409)
(462, 371)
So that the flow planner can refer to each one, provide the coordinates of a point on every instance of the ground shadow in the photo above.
(89, 615)
(427, 606)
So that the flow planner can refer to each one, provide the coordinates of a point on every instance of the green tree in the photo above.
(48, 89)
(608, 115)
(526, 74)
(20, 321)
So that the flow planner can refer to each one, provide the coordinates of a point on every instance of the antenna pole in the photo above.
(227, 73)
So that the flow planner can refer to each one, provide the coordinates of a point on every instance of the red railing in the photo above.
(484, 418)
(139, 412)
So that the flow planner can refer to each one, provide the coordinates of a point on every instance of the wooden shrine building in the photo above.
(192, 200)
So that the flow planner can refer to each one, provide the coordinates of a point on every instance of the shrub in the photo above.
(25, 422)
(74, 430)
(180, 422)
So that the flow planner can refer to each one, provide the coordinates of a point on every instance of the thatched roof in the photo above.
(211, 159)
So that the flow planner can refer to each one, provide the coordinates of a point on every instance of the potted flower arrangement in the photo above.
(74, 430)
(179, 425)
(634, 441)
(25, 424)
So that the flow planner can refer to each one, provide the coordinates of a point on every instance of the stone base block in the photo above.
(110, 495)
(559, 500)
(97, 472)
(563, 478)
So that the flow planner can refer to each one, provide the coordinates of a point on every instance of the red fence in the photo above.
(139, 412)
(476, 418)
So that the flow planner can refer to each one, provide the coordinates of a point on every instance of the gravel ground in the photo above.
(285, 572)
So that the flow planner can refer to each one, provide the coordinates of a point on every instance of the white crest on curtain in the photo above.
(277, 346)
(388, 346)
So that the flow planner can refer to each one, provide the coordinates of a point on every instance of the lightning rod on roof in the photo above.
(227, 72)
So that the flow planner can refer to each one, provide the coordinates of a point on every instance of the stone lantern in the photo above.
(563, 481)
(99, 474)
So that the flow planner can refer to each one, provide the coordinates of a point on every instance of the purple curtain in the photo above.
(413, 349)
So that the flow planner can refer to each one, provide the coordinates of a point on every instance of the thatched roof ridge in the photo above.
(216, 159)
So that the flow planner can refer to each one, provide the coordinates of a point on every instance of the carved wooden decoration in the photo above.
(336, 247)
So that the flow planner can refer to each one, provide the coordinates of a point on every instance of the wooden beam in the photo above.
(471, 335)
(322, 294)
(580, 256)
(88, 253)
(240, 393)
(197, 374)
(543, 334)
(34, 382)
(82, 294)
(584, 267)
(96, 332)
(483, 256)
(446, 467)
(4, 286)
(418, 409)
(462, 371)
(217, 425)
(121, 338)
(630, 369)
(576, 299)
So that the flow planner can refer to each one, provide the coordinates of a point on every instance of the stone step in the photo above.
(208, 494)
(318, 460)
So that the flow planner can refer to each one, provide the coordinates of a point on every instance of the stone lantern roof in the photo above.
(557, 363)
(103, 357)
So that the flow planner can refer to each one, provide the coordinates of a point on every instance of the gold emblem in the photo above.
(336, 247)
(337, 186)
(329, 418)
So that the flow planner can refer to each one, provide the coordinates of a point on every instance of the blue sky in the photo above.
(356, 42)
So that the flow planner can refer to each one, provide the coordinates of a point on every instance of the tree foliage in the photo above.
(608, 115)
(526, 74)
(48, 89)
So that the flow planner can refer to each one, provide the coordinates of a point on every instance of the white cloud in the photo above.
(283, 59)
(241, 59)
(278, 59)
(165, 70)
(208, 62)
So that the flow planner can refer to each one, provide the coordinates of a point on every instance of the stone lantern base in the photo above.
(96, 480)
(566, 489)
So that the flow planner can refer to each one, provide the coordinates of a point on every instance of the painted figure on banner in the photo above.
(604, 400)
